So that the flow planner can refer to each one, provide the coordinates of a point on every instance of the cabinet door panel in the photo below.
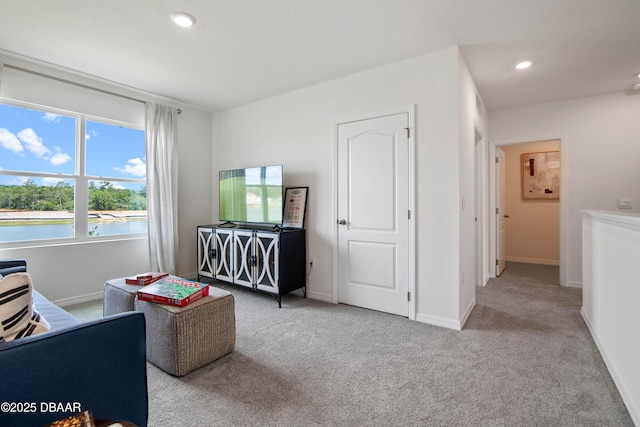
(243, 258)
(266, 250)
(224, 255)
(205, 252)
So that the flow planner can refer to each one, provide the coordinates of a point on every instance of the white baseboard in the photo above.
(632, 406)
(574, 285)
(485, 279)
(321, 296)
(310, 294)
(66, 302)
(439, 321)
(447, 323)
(467, 313)
(532, 260)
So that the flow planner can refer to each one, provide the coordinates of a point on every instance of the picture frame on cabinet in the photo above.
(295, 207)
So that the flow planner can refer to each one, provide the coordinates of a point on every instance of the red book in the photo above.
(173, 290)
(145, 278)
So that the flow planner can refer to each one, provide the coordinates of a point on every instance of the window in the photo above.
(69, 176)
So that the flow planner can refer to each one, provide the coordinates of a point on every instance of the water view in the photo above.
(41, 231)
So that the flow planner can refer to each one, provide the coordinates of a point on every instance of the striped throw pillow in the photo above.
(18, 316)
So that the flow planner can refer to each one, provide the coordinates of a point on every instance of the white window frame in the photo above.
(81, 180)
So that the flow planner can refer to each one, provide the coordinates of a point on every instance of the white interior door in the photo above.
(373, 208)
(500, 211)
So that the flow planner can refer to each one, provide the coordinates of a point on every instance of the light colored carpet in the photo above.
(524, 358)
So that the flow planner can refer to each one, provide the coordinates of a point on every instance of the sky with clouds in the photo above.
(36, 141)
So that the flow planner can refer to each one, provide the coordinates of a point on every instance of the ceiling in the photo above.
(241, 51)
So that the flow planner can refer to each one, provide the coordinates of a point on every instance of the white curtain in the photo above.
(162, 186)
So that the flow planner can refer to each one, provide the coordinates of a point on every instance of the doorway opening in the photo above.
(527, 232)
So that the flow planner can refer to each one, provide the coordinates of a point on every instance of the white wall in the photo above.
(195, 184)
(297, 130)
(610, 295)
(76, 272)
(470, 121)
(600, 150)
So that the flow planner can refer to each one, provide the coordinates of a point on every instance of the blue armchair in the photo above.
(97, 366)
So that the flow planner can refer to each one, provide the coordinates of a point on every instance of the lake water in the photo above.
(10, 233)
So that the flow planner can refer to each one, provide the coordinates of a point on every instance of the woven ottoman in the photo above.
(180, 339)
(118, 296)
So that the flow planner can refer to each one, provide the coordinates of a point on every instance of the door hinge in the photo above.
(408, 296)
(409, 215)
(408, 132)
(497, 211)
(497, 262)
(497, 160)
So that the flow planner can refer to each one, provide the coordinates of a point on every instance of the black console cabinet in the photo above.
(260, 258)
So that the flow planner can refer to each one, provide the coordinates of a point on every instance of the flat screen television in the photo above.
(251, 195)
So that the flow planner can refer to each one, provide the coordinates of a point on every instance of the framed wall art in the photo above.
(541, 176)
(295, 207)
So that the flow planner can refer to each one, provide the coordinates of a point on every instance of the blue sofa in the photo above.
(99, 366)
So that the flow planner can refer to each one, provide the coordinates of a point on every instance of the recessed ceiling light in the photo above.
(183, 19)
(524, 64)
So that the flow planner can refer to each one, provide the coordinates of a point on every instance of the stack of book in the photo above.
(145, 278)
(173, 290)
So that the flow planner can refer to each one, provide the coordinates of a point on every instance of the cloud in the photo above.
(51, 182)
(33, 142)
(16, 180)
(88, 135)
(134, 167)
(51, 118)
(10, 142)
(59, 158)
(29, 138)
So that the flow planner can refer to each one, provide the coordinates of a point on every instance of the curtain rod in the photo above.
(59, 79)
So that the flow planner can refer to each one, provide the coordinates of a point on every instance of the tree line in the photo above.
(60, 197)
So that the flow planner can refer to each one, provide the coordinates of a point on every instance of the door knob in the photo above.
(342, 222)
